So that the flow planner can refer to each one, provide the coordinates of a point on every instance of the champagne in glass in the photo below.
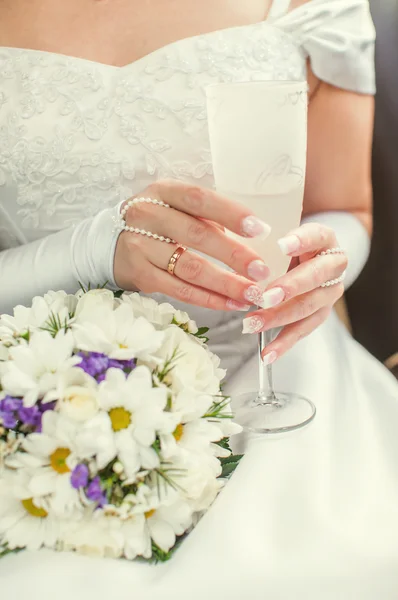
(258, 137)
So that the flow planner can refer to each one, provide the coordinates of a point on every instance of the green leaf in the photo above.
(224, 443)
(118, 293)
(202, 331)
(229, 465)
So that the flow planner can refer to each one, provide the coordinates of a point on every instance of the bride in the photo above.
(102, 101)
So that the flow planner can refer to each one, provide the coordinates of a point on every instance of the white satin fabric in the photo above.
(311, 515)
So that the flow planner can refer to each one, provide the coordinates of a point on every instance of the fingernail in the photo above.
(252, 227)
(253, 325)
(272, 298)
(289, 244)
(258, 270)
(270, 358)
(254, 295)
(232, 305)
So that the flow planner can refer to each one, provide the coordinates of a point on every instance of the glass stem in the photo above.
(266, 387)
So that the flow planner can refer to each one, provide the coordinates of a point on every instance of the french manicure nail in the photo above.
(252, 227)
(258, 270)
(272, 298)
(254, 295)
(253, 325)
(289, 244)
(232, 305)
(270, 358)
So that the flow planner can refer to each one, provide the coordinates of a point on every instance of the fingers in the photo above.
(309, 238)
(207, 204)
(156, 280)
(133, 271)
(293, 334)
(298, 309)
(197, 234)
(305, 277)
(199, 271)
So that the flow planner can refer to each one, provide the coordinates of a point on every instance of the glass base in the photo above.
(286, 413)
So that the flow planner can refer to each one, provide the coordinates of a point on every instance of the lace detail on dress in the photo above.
(78, 136)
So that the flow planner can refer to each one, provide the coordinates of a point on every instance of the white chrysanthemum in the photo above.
(193, 368)
(159, 315)
(76, 393)
(57, 304)
(132, 411)
(116, 333)
(36, 366)
(94, 535)
(25, 522)
(49, 460)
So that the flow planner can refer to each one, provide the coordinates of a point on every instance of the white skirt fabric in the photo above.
(310, 515)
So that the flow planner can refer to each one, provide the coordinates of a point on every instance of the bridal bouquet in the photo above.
(113, 427)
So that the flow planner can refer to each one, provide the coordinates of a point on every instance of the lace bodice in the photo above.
(77, 137)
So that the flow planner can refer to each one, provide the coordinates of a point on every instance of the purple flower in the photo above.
(96, 364)
(8, 419)
(30, 416)
(9, 404)
(79, 477)
(95, 493)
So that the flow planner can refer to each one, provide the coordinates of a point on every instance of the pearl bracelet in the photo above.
(331, 251)
(334, 281)
(122, 225)
(338, 280)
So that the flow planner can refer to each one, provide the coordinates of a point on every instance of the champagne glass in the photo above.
(258, 138)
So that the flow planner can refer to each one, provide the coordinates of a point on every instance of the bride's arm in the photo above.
(338, 191)
(59, 262)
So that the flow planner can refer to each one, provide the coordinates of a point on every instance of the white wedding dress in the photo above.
(311, 515)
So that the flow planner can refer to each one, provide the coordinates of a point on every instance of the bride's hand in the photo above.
(196, 219)
(298, 302)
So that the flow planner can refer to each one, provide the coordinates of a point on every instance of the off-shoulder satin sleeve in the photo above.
(338, 36)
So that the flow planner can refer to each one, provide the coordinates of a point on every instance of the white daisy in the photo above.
(25, 522)
(194, 436)
(58, 304)
(36, 366)
(116, 333)
(132, 412)
(49, 460)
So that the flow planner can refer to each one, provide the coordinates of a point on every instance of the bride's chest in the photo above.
(76, 135)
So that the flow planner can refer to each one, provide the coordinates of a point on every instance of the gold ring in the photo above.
(179, 251)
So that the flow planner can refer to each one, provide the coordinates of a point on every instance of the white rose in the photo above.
(77, 395)
(193, 368)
